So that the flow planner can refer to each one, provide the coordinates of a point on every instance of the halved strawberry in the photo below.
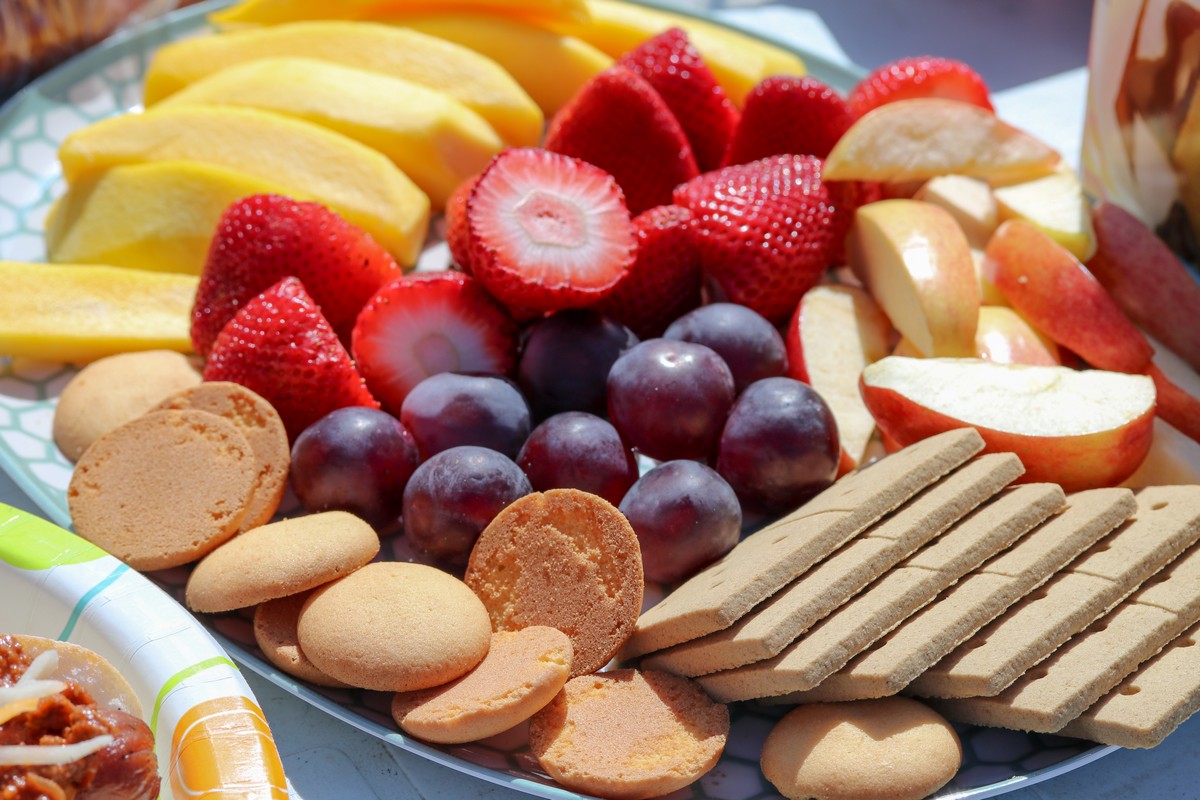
(765, 230)
(458, 232)
(548, 231)
(786, 114)
(664, 281)
(265, 237)
(919, 76)
(427, 323)
(281, 346)
(618, 122)
(673, 66)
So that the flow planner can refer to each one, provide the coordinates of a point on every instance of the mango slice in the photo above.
(550, 66)
(273, 12)
(155, 216)
(474, 80)
(430, 136)
(305, 160)
(77, 313)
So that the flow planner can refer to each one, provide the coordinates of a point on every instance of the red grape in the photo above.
(566, 358)
(451, 409)
(750, 345)
(577, 450)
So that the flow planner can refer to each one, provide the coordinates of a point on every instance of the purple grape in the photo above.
(354, 459)
(685, 516)
(451, 409)
(453, 496)
(669, 398)
(565, 361)
(577, 450)
(779, 447)
(750, 345)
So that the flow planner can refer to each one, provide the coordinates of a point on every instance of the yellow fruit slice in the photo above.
(550, 66)
(155, 216)
(74, 312)
(474, 80)
(1057, 205)
(923, 138)
(430, 136)
(305, 160)
(273, 12)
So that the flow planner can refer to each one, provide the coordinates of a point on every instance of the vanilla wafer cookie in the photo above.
(1095, 660)
(1150, 703)
(772, 558)
(884, 604)
(1167, 521)
(921, 640)
(776, 623)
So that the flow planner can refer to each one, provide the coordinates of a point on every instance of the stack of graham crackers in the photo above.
(927, 573)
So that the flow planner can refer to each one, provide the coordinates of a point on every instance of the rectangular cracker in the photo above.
(776, 623)
(1167, 521)
(765, 562)
(1149, 704)
(885, 603)
(924, 638)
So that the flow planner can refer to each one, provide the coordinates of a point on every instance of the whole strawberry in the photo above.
(665, 279)
(919, 76)
(282, 347)
(619, 123)
(764, 229)
(785, 114)
(673, 66)
(265, 237)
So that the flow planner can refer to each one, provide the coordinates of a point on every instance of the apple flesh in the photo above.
(969, 200)
(916, 262)
(1055, 204)
(835, 332)
(1080, 429)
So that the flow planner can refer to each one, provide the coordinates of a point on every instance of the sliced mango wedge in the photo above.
(273, 12)
(78, 313)
(474, 80)
(305, 160)
(430, 136)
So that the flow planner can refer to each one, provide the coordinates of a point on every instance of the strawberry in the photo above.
(765, 230)
(265, 237)
(664, 281)
(847, 197)
(785, 115)
(673, 66)
(458, 233)
(427, 323)
(548, 231)
(618, 122)
(919, 76)
(281, 346)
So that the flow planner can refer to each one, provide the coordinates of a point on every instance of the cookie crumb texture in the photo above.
(628, 735)
(566, 559)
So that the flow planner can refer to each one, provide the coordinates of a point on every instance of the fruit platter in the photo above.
(583, 363)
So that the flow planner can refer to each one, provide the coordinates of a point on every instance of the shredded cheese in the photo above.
(22, 755)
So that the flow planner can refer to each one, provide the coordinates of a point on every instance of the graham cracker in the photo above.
(765, 562)
(924, 638)
(1148, 705)
(1167, 521)
(776, 623)
(895, 596)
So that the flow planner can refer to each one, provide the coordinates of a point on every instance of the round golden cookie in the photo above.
(260, 424)
(281, 558)
(114, 390)
(394, 627)
(275, 631)
(164, 489)
(566, 559)
(522, 672)
(892, 748)
(627, 735)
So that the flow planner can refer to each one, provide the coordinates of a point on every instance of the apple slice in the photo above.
(835, 332)
(969, 200)
(1147, 280)
(1080, 429)
(926, 137)
(916, 262)
(1004, 337)
(1056, 205)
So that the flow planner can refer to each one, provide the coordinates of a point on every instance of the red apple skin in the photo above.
(1049, 287)
(1147, 280)
(1003, 337)
(1177, 408)
(1076, 463)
